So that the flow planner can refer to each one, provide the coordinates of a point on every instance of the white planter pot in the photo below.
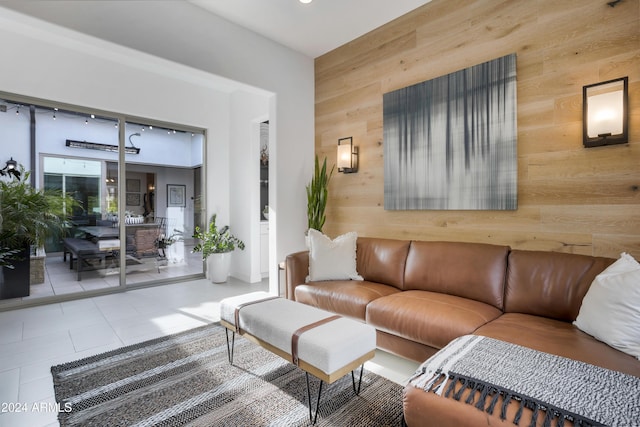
(218, 267)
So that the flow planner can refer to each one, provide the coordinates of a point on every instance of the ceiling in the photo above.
(312, 29)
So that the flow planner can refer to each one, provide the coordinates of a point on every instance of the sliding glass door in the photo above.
(161, 208)
(136, 186)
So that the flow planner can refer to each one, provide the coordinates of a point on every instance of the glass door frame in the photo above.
(121, 119)
(121, 186)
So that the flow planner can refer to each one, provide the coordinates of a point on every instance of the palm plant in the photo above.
(317, 193)
(7, 255)
(28, 214)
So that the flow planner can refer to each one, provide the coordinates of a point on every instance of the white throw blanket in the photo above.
(565, 389)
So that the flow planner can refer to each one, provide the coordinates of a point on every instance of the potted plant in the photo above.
(216, 246)
(317, 193)
(28, 216)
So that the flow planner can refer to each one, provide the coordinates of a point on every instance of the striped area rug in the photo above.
(186, 380)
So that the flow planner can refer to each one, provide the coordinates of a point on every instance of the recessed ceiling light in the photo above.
(305, 1)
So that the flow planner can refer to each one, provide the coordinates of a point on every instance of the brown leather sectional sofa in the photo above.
(421, 295)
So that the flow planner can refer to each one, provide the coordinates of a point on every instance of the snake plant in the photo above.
(317, 193)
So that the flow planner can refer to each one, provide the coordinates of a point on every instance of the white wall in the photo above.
(14, 136)
(62, 65)
(247, 111)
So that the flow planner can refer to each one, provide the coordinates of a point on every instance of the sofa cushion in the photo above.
(347, 298)
(610, 310)
(550, 284)
(382, 260)
(470, 270)
(560, 338)
(332, 259)
(429, 318)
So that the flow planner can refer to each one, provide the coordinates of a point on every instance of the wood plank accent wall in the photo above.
(570, 199)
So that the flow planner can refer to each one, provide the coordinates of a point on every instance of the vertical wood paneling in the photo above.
(570, 199)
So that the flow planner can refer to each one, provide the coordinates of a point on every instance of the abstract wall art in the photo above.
(450, 143)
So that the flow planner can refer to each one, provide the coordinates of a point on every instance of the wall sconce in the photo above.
(10, 168)
(605, 113)
(347, 156)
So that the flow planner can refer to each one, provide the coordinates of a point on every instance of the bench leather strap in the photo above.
(237, 311)
(296, 336)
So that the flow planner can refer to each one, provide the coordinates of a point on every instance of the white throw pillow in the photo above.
(332, 259)
(624, 264)
(610, 310)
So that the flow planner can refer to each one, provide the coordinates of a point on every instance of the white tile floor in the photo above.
(60, 280)
(34, 339)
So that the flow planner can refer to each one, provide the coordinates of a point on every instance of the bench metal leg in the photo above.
(313, 417)
(353, 381)
(233, 341)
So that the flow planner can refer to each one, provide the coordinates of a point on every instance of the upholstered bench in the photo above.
(317, 341)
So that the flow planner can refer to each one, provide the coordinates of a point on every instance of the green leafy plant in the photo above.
(214, 241)
(317, 193)
(6, 254)
(28, 214)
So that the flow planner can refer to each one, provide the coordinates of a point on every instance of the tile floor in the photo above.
(34, 339)
(60, 280)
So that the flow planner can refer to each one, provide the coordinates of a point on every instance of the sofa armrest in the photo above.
(296, 271)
